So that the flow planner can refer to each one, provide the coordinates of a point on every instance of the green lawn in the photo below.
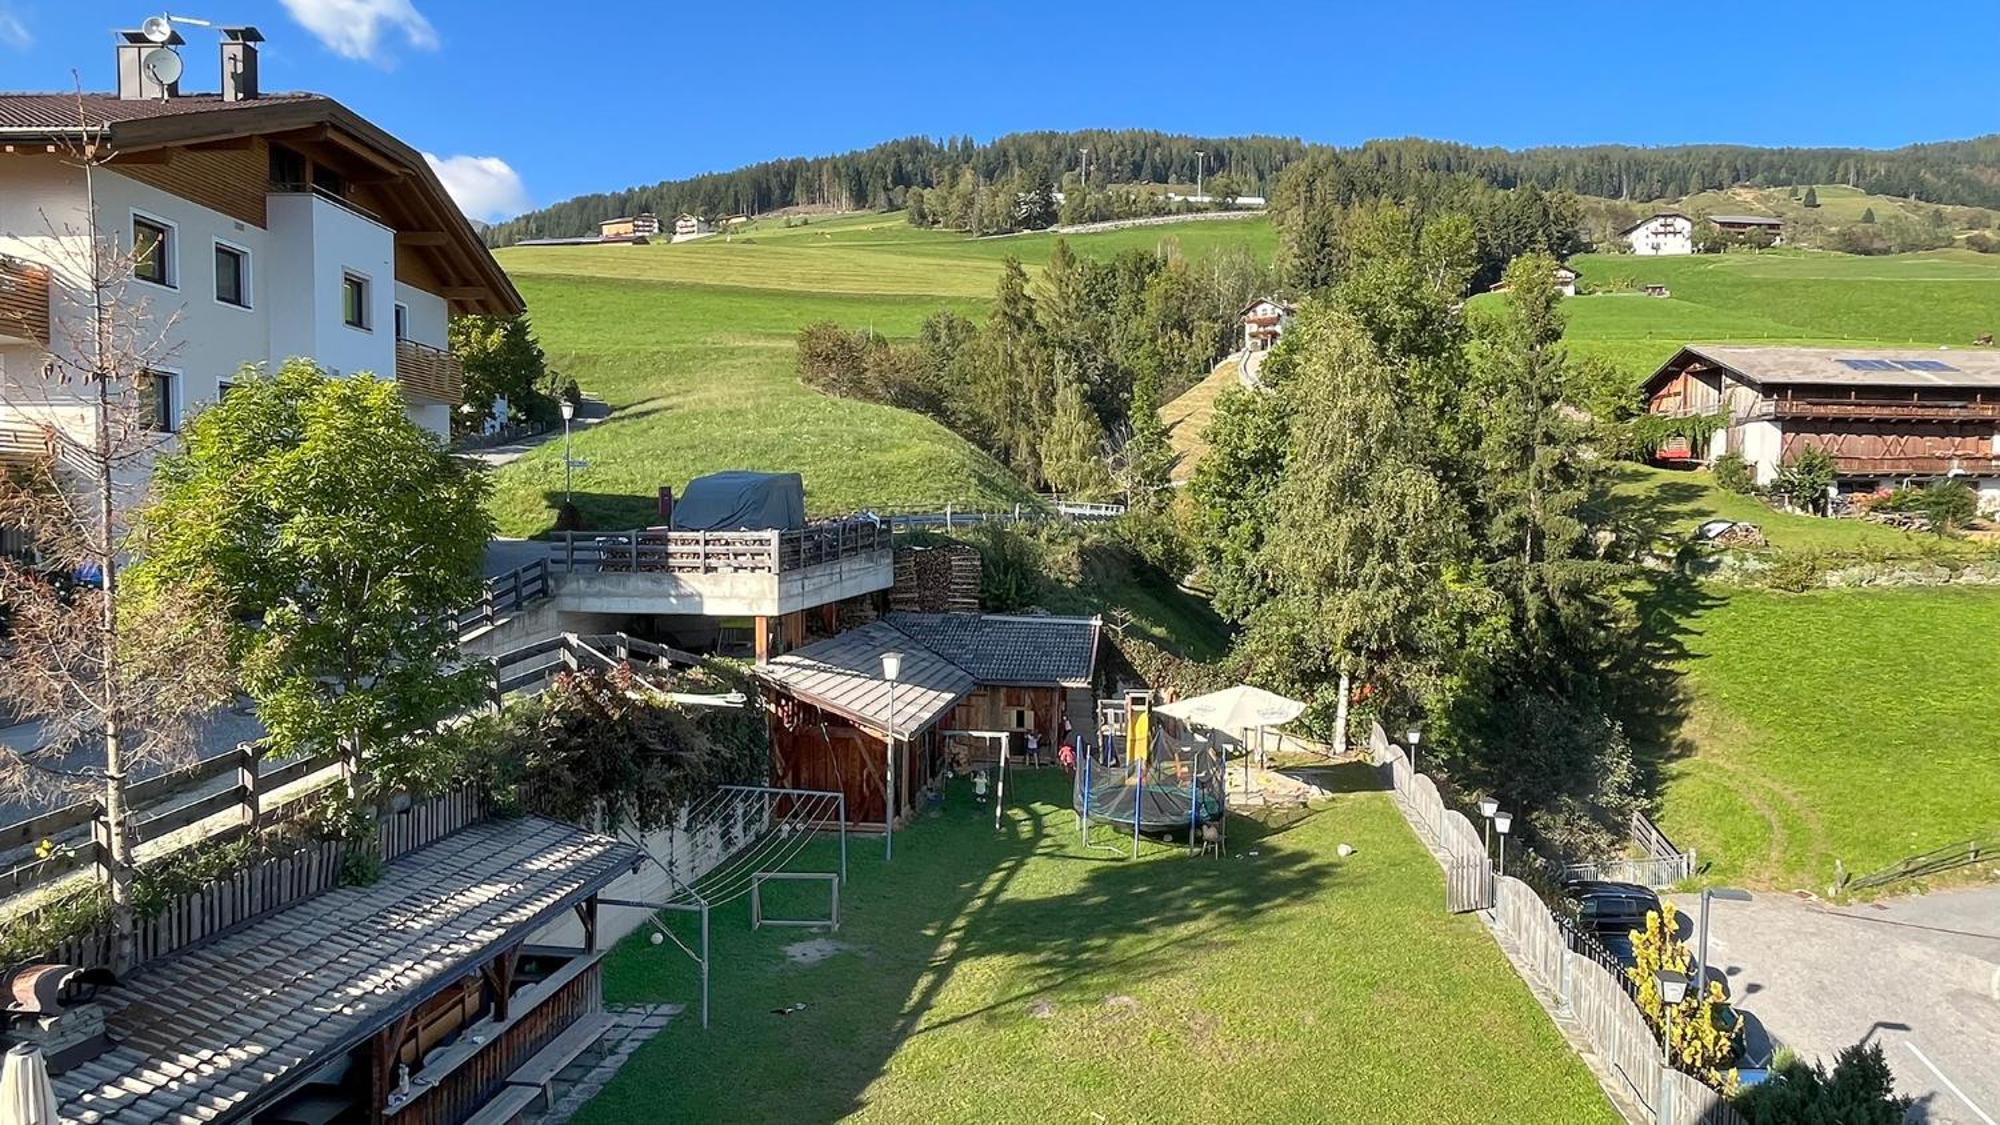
(692, 347)
(1015, 977)
(1852, 725)
(1944, 297)
(1674, 502)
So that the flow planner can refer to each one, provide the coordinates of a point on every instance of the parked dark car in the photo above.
(1609, 912)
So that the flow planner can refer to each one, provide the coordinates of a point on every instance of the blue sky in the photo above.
(527, 102)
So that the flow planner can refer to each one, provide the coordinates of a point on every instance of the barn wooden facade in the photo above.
(1886, 416)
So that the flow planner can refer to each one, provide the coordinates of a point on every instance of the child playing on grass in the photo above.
(979, 787)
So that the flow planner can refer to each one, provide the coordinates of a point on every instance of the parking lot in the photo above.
(1919, 975)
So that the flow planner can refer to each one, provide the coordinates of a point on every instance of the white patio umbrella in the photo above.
(1242, 708)
(26, 1095)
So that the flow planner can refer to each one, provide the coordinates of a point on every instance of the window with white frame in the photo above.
(153, 250)
(232, 275)
(402, 321)
(354, 301)
(156, 401)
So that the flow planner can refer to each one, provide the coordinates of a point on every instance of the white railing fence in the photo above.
(1540, 947)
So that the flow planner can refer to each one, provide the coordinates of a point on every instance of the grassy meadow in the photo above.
(1015, 976)
(1850, 725)
(1932, 299)
(691, 346)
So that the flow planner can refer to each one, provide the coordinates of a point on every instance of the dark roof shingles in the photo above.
(203, 1030)
(61, 112)
(1004, 649)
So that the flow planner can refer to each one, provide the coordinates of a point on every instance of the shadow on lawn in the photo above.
(957, 896)
(1647, 677)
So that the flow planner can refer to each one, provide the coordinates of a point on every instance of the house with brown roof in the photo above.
(262, 226)
(1264, 321)
(1887, 416)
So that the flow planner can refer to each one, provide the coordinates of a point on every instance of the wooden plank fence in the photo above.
(1546, 951)
(275, 883)
(506, 594)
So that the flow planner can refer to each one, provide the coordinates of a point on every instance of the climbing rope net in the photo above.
(729, 845)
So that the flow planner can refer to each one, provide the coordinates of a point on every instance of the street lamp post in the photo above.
(1487, 808)
(1727, 894)
(1673, 989)
(1502, 822)
(892, 670)
(568, 412)
(1413, 736)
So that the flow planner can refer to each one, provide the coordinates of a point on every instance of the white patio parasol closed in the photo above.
(26, 1096)
(1239, 709)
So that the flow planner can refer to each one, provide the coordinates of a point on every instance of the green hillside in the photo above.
(1941, 297)
(691, 346)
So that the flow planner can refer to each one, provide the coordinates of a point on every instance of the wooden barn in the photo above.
(961, 673)
(1887, 416)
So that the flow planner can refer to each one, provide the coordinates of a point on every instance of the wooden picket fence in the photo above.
(1542, 950)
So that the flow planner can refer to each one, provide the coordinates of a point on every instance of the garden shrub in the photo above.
(1949, 505)
(1734, 474)
(1859, 1090)
(1701, 1045)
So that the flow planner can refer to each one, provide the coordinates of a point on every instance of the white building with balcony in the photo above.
(263, 227)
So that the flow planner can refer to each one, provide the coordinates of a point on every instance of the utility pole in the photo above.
(1198, 154)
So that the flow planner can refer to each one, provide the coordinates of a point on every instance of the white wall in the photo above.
(1762, 444)
(1671, 234)
(319, 242)
(208, 340)
(296, 268)
(430, 319)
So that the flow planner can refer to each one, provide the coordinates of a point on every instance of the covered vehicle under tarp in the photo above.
(742, 501)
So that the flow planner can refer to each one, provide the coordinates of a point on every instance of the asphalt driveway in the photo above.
(1919, 975)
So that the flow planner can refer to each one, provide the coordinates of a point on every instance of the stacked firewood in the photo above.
(936, 580)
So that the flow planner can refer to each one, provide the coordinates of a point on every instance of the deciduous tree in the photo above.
(344, 540)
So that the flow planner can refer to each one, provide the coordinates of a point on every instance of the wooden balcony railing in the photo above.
(1862, 409)
(24, 302)
(1937, 464)
(429, 373)
(722, 552)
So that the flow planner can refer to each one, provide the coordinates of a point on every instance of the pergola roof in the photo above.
(213, 1032)
(843, 674)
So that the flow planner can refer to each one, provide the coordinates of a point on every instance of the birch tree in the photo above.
(114, 691)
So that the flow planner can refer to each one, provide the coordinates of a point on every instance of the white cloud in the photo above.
(356, 29)
(484, 187)
(14, 33)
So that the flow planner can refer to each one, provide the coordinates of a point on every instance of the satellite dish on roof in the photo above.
(162, 65)
(157, 29)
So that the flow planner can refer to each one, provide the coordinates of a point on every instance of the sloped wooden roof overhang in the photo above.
(136, 130)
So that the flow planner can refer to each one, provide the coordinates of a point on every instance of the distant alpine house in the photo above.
(261, 226)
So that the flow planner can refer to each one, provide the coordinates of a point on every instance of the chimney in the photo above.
(239, 63)
(134, 84)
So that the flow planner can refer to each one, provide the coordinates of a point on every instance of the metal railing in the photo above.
(1965, 853)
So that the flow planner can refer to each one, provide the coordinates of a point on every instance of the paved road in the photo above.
(1919, 975)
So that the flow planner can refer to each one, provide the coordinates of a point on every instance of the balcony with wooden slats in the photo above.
(24, 302)
(429, 374)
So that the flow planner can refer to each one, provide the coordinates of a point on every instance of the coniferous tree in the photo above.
(1812, 197)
